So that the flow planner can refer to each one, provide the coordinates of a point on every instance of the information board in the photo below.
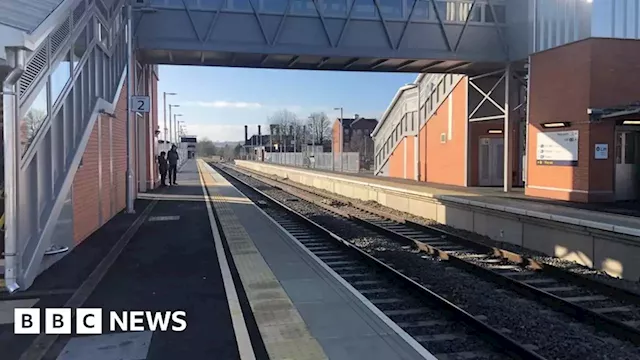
(557, 148)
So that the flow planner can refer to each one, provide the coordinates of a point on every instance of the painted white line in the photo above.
(398, 330)
(239, 325)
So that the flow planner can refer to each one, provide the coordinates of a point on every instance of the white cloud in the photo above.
(225, 104)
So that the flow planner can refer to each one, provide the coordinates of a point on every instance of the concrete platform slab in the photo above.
(121, 346)
(335, 317)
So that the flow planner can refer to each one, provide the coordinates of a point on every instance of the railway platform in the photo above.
(249, 289)
(598, 239)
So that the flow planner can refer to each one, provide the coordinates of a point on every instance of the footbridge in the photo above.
(70, 155)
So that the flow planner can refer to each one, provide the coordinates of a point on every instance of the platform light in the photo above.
(495, 131)
(631, 122)
(556, 124)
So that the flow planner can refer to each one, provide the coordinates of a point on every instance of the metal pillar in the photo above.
(17, 59)
(341, 139)
(419, 169)
(164, 113)
(525, 165)
(130, 92)
(508, 161)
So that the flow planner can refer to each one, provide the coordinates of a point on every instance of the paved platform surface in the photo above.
(247, 290)
(602, 213)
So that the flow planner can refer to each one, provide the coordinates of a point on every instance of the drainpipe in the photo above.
(10, 132)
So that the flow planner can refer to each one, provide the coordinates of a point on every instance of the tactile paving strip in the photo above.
(283, 330)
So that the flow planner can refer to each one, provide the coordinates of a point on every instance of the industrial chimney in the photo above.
(259, 135)
(246, 134)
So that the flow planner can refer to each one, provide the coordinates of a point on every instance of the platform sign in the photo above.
(557, 148)
(140, 103)
(602, 151)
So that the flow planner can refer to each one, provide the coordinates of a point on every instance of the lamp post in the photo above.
(339, 136)
(175, 128)
(419, 169)
(164, 107)
(170, 128)
(180, 130)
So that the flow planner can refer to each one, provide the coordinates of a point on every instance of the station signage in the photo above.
(557, 148)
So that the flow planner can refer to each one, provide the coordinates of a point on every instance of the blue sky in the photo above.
(217, 102)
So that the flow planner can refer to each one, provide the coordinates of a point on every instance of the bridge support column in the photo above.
(130, 187)
(508, 153)
(11, 163)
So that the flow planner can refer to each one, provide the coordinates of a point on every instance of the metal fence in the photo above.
(348, 162)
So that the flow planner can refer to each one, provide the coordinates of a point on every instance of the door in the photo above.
(626, 165)
(491, 164)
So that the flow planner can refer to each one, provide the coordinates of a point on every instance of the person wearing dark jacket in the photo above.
(172, 158)
(163, 167)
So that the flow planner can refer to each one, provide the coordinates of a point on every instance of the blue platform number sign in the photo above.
(140, 104)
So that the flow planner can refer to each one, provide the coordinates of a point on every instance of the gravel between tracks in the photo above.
(539, 256)
(555, 335)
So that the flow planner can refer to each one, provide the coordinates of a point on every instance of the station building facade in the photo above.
(573, 112)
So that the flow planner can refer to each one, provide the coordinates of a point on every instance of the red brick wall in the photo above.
(595, 73)
(85, 191)
(85, 184)
(397, 160)
(335, 136)
(445, 161)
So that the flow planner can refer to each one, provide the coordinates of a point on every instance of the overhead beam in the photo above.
(457, 67)
(264, 59)
(293, 61)
(431, 66)
(350, 63)
(322, 62)
(170, 56)
(378, 63)
(405, 65)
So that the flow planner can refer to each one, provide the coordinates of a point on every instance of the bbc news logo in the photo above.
(89, 321)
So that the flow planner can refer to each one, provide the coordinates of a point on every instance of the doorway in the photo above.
(491, 161)
(626, 172)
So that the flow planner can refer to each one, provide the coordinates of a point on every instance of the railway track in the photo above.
(443, 328)
(608, 308)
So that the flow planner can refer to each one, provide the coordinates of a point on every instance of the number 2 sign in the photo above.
(140, 104)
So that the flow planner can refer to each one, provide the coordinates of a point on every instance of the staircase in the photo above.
(435, 88)
(81, 65)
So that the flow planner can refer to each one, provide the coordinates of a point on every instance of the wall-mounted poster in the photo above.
(557, 148)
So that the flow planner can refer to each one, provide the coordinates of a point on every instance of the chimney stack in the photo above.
(246, 134)
(259, 135)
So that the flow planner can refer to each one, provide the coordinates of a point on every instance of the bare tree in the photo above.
(281, 121)
(31, 124)
(319, 127)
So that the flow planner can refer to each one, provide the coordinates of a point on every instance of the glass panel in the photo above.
(441, 7)
(238, 5)
(214, 4)
(462, 12)
(619, 148)
(421, 11)
(303, 7)
(59, 77)
(630, 148)
(484, 161)
(103, 35)
(391, 9)
(500, 13)
(499, 163)
(333, 7)
(33, 119)
(79, 48)
(364, 8)
(277, 6)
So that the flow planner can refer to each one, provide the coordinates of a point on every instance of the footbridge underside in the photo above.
(359, 35)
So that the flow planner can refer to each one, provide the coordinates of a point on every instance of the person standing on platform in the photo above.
(173, 158)
(163, 167)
